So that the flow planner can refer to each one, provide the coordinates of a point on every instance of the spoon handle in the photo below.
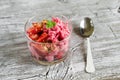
(89, 66)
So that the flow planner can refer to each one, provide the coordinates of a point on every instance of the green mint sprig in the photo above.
(50, 24)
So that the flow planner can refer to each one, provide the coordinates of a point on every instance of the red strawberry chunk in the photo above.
(34, 36)
(42, 37)
(59, 55)
(33, 30)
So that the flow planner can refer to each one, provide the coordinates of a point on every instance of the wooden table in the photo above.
(16, 62)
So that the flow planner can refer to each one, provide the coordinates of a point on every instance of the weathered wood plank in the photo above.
(16, 62)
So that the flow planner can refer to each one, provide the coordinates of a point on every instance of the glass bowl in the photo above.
(48, 53)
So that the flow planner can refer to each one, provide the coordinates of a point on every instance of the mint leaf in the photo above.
(50, 24)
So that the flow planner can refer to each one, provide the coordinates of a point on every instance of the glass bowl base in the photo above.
(50, 63)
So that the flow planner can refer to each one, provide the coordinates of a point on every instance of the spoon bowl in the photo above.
(86, 27)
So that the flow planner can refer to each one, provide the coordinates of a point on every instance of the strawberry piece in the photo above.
(42, 37)
(59, 55)
(34, 36)
(30, 30)
(33, 30)
(37, 29)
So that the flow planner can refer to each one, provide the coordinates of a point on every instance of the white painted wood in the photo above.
(16, 62)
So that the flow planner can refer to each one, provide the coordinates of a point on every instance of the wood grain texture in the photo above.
(16, 62)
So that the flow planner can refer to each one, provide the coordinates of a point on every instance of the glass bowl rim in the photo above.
(25, 32)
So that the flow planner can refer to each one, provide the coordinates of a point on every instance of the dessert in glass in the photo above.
(48, 38)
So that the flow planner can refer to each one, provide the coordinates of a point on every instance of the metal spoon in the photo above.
(86, 30)
(119, 10)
